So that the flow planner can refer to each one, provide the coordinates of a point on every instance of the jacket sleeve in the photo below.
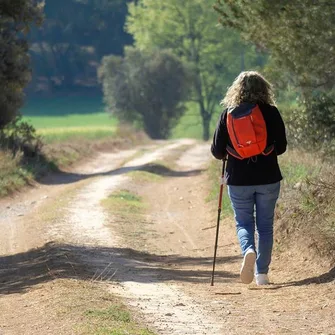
(280, 133)
(220, 138)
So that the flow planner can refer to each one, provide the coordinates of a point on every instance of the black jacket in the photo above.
(262, 169)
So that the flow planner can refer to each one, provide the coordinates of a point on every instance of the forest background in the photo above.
(162, 67)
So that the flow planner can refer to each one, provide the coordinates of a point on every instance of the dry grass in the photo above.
(306, 212)
(306, 215)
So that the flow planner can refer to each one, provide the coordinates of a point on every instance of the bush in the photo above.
(146, 88)
(19, 136)
(312, 126)
(13, 175)
(321, 113)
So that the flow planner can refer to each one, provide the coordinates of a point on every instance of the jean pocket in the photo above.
(238, 192)
(272, 188)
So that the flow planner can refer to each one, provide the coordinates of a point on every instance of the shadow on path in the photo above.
(21, 271)
(61, 177)
(325, 278)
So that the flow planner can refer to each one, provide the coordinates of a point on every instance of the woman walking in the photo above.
(252, 133)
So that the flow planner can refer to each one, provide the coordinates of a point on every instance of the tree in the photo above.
(15, 19)
(146, 87)
(76, 35)
(190, 29)
(299, 34)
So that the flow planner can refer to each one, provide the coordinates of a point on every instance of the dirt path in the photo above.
(301, 300)
(163, 272)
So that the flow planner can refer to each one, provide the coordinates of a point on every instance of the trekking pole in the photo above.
(218, 220)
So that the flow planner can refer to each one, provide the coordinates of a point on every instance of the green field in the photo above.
(67, 118)
(61, 119)
(62, 128)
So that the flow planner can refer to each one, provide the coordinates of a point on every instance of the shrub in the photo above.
(19, 136)
(146, 88)
(312, 126)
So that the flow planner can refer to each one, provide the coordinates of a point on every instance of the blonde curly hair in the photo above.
(249, 86)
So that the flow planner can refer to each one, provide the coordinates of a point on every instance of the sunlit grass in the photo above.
(52, 135)
(297, 166)
(63, 128)
(65, 118)
(190, 125)
(124, 201)
(115, 320)
(72, 120)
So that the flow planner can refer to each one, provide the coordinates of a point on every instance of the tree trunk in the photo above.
(206, 134)
(206, 120)
(206, 116)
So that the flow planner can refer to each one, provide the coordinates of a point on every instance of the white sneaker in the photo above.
(247, 269)
(262, 279)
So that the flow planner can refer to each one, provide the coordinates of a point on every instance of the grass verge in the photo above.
(306, 211)
(297, 166)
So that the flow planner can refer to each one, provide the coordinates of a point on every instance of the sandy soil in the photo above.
(159, 264)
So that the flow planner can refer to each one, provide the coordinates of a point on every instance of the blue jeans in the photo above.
(246, 202)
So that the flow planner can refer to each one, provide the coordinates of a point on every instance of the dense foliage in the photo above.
(299, 34)
(190, 29)
(15, 18)
(146, 87)
(19, 136)
(76, 34)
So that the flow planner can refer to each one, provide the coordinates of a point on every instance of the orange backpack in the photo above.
(247, 132)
